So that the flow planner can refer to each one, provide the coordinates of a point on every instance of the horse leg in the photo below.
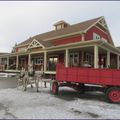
(41, 81)
(18, 83)
(45, 85)
(24, 84)
(31, 82)
(37, 83)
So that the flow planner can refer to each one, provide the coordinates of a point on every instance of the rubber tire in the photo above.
(81, 88)
(107, 94)
(55, 88)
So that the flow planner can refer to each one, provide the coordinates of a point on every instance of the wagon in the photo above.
(83, 79)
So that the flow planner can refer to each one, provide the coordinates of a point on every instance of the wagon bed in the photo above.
(88, 75)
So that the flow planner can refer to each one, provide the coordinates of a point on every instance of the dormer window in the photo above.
(96, 36)
(60, 25)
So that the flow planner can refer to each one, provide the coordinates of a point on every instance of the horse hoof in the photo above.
(24, 89)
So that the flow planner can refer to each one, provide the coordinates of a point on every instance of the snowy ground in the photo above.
(15, 103)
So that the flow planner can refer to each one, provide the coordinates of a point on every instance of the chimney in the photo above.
(61, 24)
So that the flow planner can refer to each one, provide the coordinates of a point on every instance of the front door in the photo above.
(52, 61)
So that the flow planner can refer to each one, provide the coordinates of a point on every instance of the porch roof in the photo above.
(101, 43)
(3, 54)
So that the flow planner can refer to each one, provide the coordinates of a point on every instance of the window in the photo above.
(89, 58)
(52, 61)
(37, 60)
(74, 59)
(96, 36)
(58, 27)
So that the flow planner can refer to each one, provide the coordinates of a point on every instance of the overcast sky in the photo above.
(21, 20)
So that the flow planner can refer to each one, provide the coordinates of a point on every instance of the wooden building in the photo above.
(85, 43)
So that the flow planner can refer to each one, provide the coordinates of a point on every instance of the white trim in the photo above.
(17, 62)
(101, 29)
(7, 62)
(108, 58)
(66, 57)
(35, 44)
(22, 45)
(72, 44)
(62, 36)
(95, 56)
(96, 36)
(103, 47)
(94, 24)
(60, 49)
(45, 61)
(103, 25)
(50, 72)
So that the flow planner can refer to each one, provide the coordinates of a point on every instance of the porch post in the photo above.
(66, 58)
(108, 59)
(95, 56)
(45, 60)
(7, 62)
(17, 62)
(29, 59)
(118, 61)
(83, 37)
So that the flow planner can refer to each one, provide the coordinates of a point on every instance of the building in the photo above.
(88, 42)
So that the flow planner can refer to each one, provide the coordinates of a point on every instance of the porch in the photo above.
(94, 54)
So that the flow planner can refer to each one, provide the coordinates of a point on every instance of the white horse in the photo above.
(23, 78)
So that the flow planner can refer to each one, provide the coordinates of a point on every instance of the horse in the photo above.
(23, 78)
(30, 76)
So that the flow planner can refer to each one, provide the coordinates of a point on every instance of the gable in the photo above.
(35, 44)
(95, 30)
(100, 28)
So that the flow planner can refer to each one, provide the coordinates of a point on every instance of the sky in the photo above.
(20, 20)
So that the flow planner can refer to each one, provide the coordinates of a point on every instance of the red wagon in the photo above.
(107, 79)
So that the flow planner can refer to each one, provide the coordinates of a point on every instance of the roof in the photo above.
(4, 53)
(79, 27)
(59, 22)
(118, 47)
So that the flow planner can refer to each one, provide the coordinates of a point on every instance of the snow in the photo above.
(17, 104)
(5, 75)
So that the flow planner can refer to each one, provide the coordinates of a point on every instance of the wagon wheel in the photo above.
(81, 88)
(55, 88)
(113, 94)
